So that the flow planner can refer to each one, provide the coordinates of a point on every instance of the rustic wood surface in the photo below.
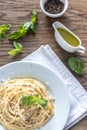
(16, 12)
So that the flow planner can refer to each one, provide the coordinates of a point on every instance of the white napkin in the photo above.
(78, 95)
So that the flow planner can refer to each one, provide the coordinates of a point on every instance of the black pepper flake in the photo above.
(53, 6)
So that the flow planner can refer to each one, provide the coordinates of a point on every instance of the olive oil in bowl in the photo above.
(68, 37)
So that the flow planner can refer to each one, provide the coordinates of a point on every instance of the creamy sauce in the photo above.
(68, 37)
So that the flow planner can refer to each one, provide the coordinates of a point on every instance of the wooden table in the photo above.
(15, 12)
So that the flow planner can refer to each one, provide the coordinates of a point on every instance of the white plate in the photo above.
(53, 82)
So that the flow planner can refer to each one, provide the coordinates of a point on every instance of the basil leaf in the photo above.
(3, 30)
(33, 27)
(5, 27)
(33, 21)
(17, 45)
(27, 26)
(42, 102)
(76, 65)
(29, 100)
(14, 52)
(17, 34)
(2, 35)
(17, 49)
(34, 17)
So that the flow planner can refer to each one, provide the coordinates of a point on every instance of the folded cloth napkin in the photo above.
(78, 95)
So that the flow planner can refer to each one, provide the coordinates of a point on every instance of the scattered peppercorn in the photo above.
(53, 6)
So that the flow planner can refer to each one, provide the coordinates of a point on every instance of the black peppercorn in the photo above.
(53, 6)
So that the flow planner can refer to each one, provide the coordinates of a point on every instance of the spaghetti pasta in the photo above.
(13, 114)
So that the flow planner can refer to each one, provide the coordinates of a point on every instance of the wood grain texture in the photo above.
(16, 12)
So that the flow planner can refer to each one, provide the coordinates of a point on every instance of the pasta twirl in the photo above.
(13, 114)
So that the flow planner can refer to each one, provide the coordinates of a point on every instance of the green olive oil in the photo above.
(68, 37)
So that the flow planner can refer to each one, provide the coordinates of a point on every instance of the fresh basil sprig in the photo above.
(76, 65)
(29, 100)
(17, 49)
(3, 30)
(25, 28)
